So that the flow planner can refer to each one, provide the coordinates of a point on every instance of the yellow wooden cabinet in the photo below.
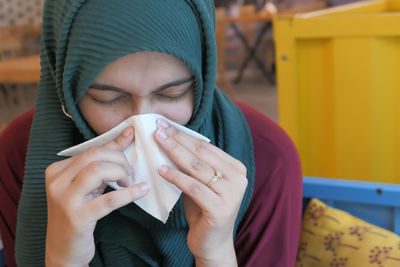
(338, 75)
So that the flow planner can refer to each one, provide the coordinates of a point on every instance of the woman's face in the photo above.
(145, 82)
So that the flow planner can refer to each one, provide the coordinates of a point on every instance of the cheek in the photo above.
(180, 112)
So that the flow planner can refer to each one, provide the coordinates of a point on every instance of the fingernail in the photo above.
(123, 183)
(163, 169)
(145, 187)
(127, 132)
(161, 134)
(164, 123)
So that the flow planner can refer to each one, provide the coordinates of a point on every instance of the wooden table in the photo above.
(20, 70)
(261, 17)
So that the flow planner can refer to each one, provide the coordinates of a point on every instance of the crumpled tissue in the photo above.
(146, 157)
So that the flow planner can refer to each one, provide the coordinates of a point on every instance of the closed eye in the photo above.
(168, 92)
(108, 102)
(173, 97)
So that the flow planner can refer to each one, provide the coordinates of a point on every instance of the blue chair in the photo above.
(376, 203)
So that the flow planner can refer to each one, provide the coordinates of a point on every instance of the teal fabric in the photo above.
(80, 37)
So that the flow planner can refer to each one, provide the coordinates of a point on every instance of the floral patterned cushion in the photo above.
(331, 237)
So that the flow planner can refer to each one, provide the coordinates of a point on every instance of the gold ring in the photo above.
(215, 178)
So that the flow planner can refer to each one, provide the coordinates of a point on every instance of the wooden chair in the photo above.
(15, 98)
(13, 101)
(14, 41)
(220, 36)
(11, 46)
(21, 30)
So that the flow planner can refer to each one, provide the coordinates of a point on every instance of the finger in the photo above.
(210, 154)
(187, 161)
(203, 196)
(105, 204)
(53, 170)
(94, 175)
(122, 141)
(55, 183)
(95, 154)
(188, 140)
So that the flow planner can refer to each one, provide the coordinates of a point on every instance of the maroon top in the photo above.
(269, 232)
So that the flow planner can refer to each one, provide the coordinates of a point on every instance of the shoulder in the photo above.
(272, 220)
(278, 176)
(13, 146)
(14, 141)
(270, 141)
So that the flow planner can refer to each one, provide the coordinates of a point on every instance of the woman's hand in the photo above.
(210, 210)
(75, 200)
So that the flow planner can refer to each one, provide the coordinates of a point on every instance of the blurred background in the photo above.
(241, 25)
(325, 70)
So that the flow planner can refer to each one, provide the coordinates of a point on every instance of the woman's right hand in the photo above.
(75, 200)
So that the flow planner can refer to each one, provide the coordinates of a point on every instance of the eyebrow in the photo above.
(105, 87)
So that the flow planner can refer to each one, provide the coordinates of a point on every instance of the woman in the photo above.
(104, 61)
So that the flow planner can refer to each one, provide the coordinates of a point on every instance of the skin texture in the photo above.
(139, 75)
(75, 185)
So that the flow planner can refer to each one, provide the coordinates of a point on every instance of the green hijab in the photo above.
(80, 37)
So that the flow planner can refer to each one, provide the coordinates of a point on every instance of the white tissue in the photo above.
(146, 157)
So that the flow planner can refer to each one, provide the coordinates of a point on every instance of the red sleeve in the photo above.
(13, 147)
(269, 233)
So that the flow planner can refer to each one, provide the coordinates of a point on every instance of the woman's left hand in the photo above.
(210, 210)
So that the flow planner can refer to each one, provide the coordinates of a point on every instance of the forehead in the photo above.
(143, 61)
(145, 70)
